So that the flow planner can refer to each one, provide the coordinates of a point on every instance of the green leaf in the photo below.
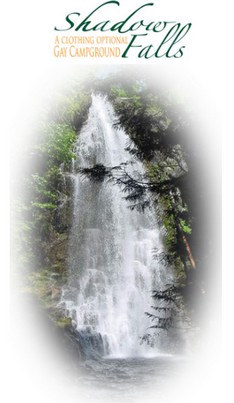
(185, 227)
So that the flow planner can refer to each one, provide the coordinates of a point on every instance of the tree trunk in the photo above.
(185, 242)
(188, 249)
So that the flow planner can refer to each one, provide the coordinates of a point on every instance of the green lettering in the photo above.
(119, 25)
(101, 26)
(167, 38)
(85, 23)
(136, 25)
(179, 53)
(145, 52)
(178, 39)
(69, 21)
(130, 45)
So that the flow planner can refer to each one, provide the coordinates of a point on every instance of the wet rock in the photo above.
(91, 343)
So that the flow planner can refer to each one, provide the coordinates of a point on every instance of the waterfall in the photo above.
(111, 268)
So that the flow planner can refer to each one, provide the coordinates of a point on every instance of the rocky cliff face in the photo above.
(47, 282)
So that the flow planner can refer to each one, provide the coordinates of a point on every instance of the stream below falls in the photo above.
(128, 379)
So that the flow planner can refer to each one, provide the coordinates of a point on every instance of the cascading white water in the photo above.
(111, 269)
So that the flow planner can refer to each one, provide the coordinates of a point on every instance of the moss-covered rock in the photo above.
(46, 285)
(57, 252)
(63, 322)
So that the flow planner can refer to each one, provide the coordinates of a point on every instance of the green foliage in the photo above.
(43, 186)
(118, 92)
(155, 129)
(58, 144)
(71, 109)
(48, 206)
(185, 227)
(141, 113)
(54, 152)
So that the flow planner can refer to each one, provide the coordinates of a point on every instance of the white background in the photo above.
(29, 73)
